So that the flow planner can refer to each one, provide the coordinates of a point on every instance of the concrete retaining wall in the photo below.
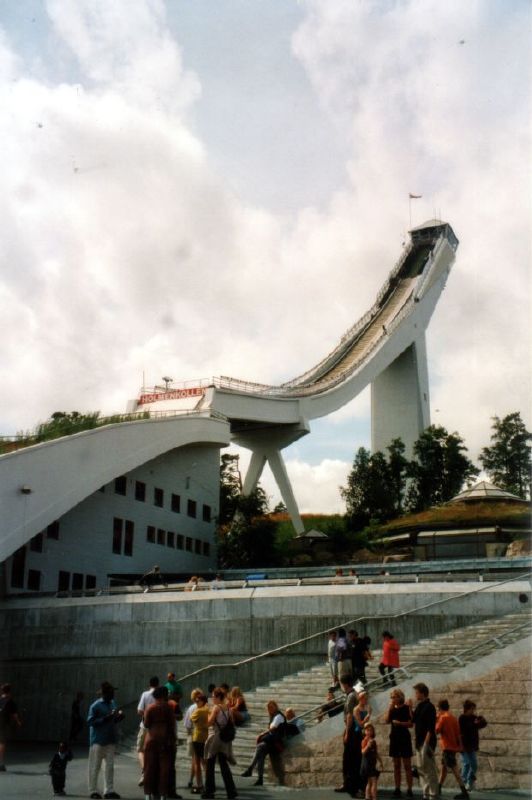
(53, 647)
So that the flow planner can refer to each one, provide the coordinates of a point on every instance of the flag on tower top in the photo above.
(415, 196)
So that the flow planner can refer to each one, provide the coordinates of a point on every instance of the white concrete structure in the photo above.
(116, 499)
(386, 348)
(60, 480)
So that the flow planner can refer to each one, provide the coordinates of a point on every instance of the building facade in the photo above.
(162, 512)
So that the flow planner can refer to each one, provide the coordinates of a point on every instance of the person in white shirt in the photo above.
(146, 699)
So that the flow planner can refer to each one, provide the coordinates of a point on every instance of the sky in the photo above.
(219, 187)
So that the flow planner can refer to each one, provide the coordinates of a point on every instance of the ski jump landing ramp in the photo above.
(385, 348)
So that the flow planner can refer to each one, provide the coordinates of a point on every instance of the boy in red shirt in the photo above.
(448, 729)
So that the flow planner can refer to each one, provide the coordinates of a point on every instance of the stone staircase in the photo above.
(307, 689)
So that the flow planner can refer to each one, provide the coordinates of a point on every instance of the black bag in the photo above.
(228, 732)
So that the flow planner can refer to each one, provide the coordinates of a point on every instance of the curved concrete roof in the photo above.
(59, 474)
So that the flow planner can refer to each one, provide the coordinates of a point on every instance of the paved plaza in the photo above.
(26, 778)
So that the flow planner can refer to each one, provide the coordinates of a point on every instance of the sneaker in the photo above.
(141, 781)
(96, 796)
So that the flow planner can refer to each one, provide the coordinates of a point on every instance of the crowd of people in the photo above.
(361, 758)
(211, 718)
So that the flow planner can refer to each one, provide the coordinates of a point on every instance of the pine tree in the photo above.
(508, 459)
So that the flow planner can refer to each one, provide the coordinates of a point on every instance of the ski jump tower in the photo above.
(385, 348)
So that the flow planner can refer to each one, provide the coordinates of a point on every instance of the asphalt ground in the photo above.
(26, 778)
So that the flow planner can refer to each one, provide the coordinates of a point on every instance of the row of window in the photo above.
(74, 581)
(158, 498)
(178, 541)
(124, 532)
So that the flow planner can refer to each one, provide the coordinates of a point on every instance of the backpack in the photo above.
(228, 732)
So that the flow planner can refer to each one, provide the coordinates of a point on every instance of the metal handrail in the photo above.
(282, 648)
(425, 665)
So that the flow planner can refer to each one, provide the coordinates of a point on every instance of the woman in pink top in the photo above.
(390, 657)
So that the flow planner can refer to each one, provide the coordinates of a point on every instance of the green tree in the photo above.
(439, 468)
(508, 459)
(398, 472)
(368, 492)
(230, 487)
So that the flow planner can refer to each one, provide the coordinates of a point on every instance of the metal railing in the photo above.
(320, 634)
(459, 659)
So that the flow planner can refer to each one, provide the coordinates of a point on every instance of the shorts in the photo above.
(141, 735)
(199, 749)
(448, 759)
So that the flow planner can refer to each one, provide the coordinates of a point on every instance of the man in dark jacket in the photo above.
(425, 740)
(470, 724)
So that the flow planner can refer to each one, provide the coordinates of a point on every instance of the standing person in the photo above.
(390, 657)
(342, 652)
(361, 717)
(187, 723)
(358, 657)
(200, 730)
(470, 724)
(57, 768)
(217, 748)
(159, 745)
(102, 718)
(370, 759)
(8, 718)
(399, 717)
(269, 742)
(448, 729)
(146, 699)
(350, 779)
(424, 719)
(76, 718)
(151, 578)
(175, 693)
(331, 658)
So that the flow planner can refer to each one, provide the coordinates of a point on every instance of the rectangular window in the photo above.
(63, 581)
(117, 535)
(34, 580)
(90, 581)
(150, 533)
(191, 508)
(188, 544)
(180, 541)
(18, 567)
(161, 536)
(140, 491)
(52, 531)
(120, 485)
(36, 543)
(77, 582)
(170, 539)
(206, 549)
(128, 538)
(158, 497)
(206, 513)
(176, 503)
(197, 546)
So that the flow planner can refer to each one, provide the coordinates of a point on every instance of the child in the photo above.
(470, 724)
(448, 729)
(57, 768)
(370, 758)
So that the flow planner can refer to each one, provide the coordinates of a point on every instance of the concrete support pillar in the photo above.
(277, 466)
(256, 465)
(400, 399)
